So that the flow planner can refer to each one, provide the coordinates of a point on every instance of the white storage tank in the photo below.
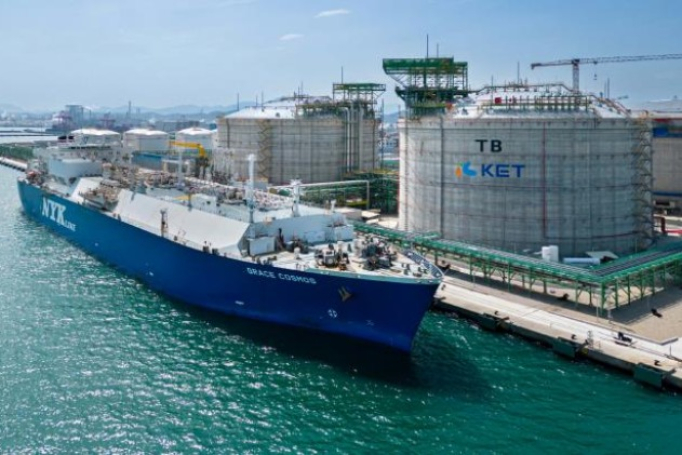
(195, 135)
(95, 137)
(667, 144)
(519, 168)
(311, 138)
(145, 140)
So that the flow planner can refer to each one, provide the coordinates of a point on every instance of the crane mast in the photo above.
(576, 62)
(202, 160)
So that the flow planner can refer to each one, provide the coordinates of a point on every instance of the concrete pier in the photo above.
(14, 164)
(636, 340)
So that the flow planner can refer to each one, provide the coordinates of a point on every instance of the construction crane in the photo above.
(576, 62)
(202, 158)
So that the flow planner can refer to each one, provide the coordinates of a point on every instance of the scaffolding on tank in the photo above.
(314, 138)
(643, 204)
(359, 101)
(627, 225)
(264, 156)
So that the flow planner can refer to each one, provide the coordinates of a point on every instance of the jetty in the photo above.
(643, 341)
(14, 164)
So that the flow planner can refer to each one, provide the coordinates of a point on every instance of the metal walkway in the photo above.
(618, 282)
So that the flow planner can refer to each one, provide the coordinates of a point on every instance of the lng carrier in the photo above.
(234, 249)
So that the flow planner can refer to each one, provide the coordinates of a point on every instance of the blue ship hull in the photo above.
(383, 310)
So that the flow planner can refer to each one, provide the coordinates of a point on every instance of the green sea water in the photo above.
(93, 362)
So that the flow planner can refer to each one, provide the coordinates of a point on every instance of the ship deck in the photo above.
(204, 224)
(355, 265)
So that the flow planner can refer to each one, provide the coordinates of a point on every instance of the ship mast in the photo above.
(249, 187)
(297, 197)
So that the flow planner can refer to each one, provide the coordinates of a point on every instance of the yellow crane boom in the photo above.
(202, 162)
(191, 145)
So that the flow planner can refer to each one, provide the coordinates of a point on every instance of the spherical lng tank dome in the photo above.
(518, 171)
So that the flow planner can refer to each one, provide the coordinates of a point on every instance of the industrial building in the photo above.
(145, 146)
(311, 138)
(519, 167)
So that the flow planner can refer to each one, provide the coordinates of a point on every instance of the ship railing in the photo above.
(263, 199)
(423, 262)
(177, 237)
(544, 102)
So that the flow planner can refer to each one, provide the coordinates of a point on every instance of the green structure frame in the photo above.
(428, 85)
(606, 286)
(367, 91)
(366, 190)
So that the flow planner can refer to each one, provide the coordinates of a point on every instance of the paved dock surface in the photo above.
(629, 338)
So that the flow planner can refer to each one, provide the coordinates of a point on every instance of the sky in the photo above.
(207, 52)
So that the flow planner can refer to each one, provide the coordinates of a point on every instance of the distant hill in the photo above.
(185, 109)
